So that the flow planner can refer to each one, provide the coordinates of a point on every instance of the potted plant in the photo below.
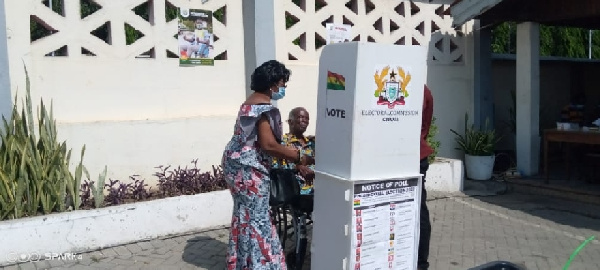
(478, 146)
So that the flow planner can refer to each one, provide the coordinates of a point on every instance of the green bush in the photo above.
(34, 167)
(432, 141)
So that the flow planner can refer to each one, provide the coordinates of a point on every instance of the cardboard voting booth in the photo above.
(368, 185)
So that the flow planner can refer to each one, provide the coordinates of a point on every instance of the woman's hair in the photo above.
(267, 75)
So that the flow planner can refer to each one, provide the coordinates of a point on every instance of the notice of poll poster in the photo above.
(338, 33)
(385, 224)
(195, 36)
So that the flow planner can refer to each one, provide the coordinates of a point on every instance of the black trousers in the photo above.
(425, 228)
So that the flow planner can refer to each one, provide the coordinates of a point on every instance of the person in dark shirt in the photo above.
(426, 150)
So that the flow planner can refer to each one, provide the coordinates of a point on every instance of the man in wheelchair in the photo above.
(298, 122)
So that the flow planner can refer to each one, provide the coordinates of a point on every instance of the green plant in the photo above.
(98, 190)
(476, 142)
(431, 140)
(34, 167)
(188, 181)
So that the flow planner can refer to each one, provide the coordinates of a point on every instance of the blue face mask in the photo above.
(279, 95)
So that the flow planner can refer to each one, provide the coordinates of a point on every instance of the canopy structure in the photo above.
(574, 13)
(528, 14)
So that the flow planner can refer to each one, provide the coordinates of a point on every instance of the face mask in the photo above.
(278, 95)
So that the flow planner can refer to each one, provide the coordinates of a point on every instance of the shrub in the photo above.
(34, 166)
(186, 181)
(90, 190)
(432, 141)
(179, 181)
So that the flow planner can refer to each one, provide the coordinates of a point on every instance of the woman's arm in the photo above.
(269, 144)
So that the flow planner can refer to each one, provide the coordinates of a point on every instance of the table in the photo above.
(567, 136)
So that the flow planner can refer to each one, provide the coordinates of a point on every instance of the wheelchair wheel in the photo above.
(298, 245)
(291, 228)
(281, 219)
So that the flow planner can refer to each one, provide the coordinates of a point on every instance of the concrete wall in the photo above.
(134, 113)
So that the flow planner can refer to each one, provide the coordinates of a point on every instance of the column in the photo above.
(528, 98)
(14, 53)
(5, 93)
(483, 95)
(259, 34)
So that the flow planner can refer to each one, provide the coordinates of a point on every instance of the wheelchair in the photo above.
(292, 221)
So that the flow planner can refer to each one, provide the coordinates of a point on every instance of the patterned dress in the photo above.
(308, 145)
(253, 240)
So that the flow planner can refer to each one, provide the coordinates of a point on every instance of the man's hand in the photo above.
(306, 173)
(306, 160)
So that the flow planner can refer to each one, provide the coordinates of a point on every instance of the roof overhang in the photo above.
(582, 14)
(463, 11)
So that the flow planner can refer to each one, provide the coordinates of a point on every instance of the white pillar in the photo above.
(5, 86)
(528, 98)
(260, 29)
(14, 53)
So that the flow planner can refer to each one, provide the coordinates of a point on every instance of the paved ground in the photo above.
(533, 231)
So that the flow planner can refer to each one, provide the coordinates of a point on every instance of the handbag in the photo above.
(285, 189)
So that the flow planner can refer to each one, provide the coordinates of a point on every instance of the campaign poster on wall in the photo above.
(385, 224)
(195, 36)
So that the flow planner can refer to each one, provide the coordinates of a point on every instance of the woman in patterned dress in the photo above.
(247, 159)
